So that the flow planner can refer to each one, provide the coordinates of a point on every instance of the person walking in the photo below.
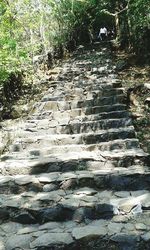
(103, 33)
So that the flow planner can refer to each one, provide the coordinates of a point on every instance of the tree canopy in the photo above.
(33, 27)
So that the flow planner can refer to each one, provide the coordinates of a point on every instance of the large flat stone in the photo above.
(49, 239)
(24, 179)
(88, 232)
(48, 178)
(127, 204)
(122, 237)
(114, 227)
(5, 179)
(18, 241)
(146, 236)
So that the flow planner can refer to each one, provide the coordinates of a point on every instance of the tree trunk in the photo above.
(117, 26)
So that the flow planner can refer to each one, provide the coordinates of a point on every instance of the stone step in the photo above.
(76, 126)
(93, 72)
(85, 138)
(30, 136)
(69, 114)
(92, 126)
(102, 116)
(67, 105)
(81, 94)
(107, 92)
(107, 178)
(97, 84)
(43, 148)
(98, 87)
(76, 116)
(35, 162)
(101, 110)
(118, 154)
(115, 155)
(78, 205)
(83, 85)
(47, 149)
(120, 232)
(102, 89)
(43, 128)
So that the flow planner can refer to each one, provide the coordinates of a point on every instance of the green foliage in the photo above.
(29, 28)
(139, 16)
(11, 55)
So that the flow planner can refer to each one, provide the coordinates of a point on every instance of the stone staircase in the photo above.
(75, 176)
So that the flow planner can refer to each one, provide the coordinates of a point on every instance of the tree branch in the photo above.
(108, 13)
(116, 13)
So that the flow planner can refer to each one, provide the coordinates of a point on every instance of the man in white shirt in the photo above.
(103, 34)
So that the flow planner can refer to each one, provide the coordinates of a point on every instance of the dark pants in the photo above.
(103, 36)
